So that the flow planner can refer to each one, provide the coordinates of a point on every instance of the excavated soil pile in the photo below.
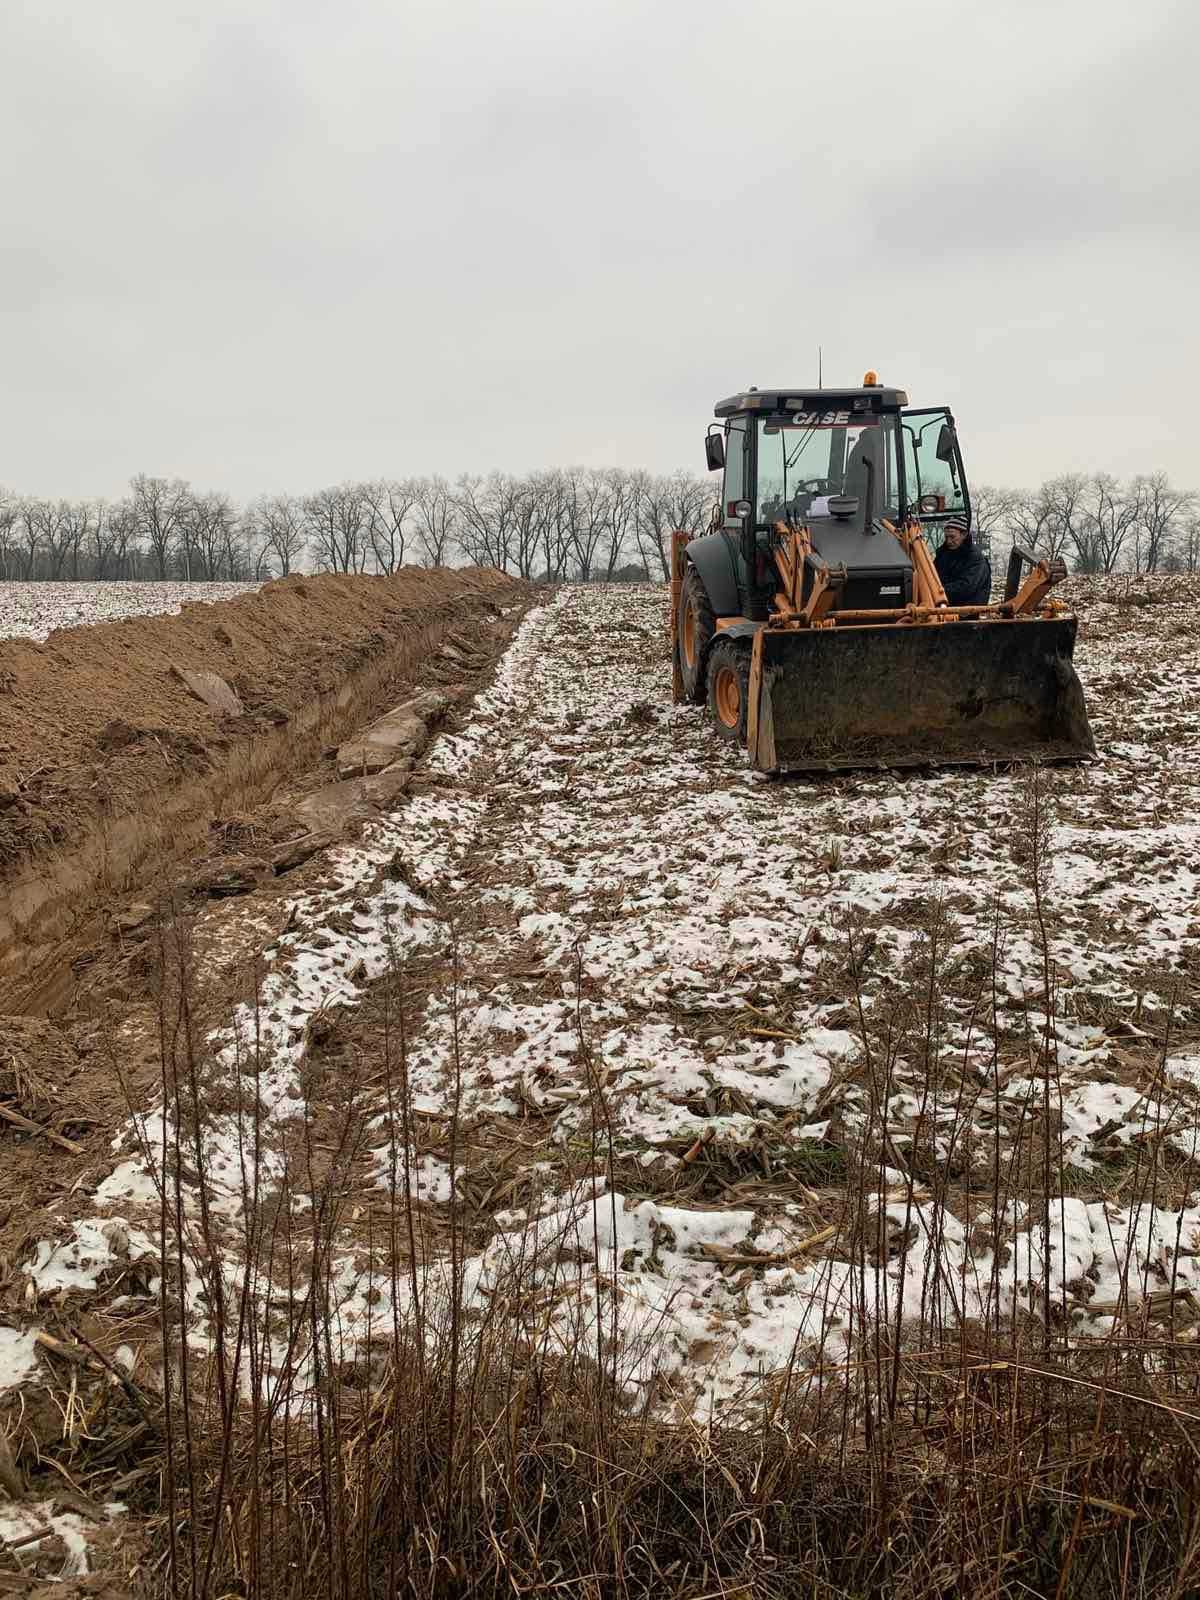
(119, 742)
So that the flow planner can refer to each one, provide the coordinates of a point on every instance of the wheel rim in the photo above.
(689, 635)
(727, 695)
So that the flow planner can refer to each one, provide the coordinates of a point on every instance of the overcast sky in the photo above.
(273, 244)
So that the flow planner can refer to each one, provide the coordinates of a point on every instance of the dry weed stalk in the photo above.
(458, 1449)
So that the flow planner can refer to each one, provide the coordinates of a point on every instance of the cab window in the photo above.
(933, 485)
(735, 472)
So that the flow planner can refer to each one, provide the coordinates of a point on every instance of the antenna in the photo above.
(820, 370)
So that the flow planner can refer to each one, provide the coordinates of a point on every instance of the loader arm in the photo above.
(794, 556)
(1020, 598)
(928, 593)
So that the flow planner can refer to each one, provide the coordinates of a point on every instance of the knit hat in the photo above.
(958, 521)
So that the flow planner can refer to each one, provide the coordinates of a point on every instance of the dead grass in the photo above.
(453, 1452)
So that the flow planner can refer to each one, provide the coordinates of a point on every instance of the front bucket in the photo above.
(945, 694)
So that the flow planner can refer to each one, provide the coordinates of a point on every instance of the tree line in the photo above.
(1095, 522)
(564, 523)
(579, 524)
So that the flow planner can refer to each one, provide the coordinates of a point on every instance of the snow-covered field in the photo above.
(747, 1065)
(35, 610)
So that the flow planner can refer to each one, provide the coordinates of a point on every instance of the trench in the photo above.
(52, 905)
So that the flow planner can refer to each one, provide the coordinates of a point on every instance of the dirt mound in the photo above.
(87, 716)
(117, 739)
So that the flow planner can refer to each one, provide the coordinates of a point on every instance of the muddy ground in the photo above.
(111, 762)
(590, 1006)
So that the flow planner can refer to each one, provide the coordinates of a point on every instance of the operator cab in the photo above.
(840, 462)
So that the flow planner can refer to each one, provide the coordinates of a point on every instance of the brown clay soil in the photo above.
(108, 762)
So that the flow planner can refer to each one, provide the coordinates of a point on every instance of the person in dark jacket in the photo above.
(965, 572)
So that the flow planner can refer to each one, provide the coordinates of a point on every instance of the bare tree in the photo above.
(621, 506)
(124, 531)
(587, 527)
(676, 501)
(1036, 523)
(9, 510)
(99, 543)
(161, 506)
(387, 504)
(207, 537)
(1113, 513)
(85, 521)
(436, 515)
(532, 504)
(560, 495)
(60, 539)
(994, 515)
(488, 512)
(655, 522)
(1162, 513)
(28, 538)
(335, 524)
(275, 526)
(1188, 550)
(1070, 527)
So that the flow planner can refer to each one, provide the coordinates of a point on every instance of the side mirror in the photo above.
(714, 451)
(945, 444)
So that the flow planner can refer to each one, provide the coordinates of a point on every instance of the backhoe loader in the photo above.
(811, 616)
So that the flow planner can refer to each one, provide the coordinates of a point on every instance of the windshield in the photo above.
(801, 464)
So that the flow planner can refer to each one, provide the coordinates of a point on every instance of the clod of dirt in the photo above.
(50, 1560)
(134, 919)
(401, 734)
(297, 851)
(116, 1235)
(210, 688)
(338, 806)
(183, 746)
(117, 735)
(228, 875)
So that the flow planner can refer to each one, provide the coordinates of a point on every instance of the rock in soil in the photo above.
(228, 875)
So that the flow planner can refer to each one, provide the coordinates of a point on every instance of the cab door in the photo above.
(935, 484)
(738, 480)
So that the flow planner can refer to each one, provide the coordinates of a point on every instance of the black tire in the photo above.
(727, 682)
(697, 625)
